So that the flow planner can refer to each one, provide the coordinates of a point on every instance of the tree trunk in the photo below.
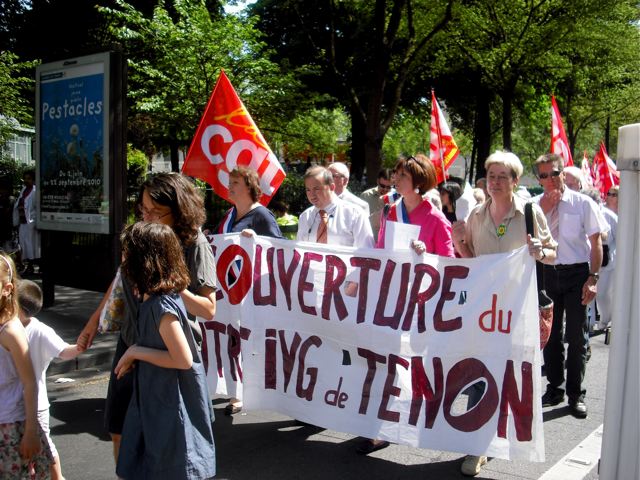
(507, 117)
(482, 131)
(174, 149)
(358, 156)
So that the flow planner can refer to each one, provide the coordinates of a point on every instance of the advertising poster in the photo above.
(73, 145)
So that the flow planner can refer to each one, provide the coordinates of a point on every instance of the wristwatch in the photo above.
(595, 275)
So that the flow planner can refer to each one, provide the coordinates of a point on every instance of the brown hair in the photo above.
(422, 171)
(29, 297)
(251, 180)
(177, 192)
(312, 172)
(153, 259)
(8, 304)
(557, 161)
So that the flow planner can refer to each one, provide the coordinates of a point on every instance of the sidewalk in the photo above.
(67, 317)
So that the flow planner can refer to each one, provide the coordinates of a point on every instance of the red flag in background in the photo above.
(587, 172)
(605, 172)
(443, 148)
(227, 137)
(559, 143)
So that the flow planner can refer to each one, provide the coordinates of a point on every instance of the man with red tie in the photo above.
(329, 219)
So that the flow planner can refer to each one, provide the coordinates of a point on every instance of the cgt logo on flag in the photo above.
(228, 138)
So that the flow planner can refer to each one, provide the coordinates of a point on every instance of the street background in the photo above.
(267, 445)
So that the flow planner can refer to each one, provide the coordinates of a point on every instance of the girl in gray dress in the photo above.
(167, 430)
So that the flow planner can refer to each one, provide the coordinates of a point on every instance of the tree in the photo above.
(366, 50)
(317, 133)
(13, 106)
(175, 57)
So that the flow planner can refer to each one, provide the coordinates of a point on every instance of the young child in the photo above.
(23, 449)
(44, 346)
(167, 431)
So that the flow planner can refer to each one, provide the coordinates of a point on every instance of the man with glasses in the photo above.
(576, 224)
(373, 197)
(340, 173)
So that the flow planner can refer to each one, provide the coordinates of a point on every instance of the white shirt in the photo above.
(347, 196)
(347, 225)
(44, 346)
(579, 218)
(612, 219)
(465, 203)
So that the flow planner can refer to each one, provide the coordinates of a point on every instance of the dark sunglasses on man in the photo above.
(554, 173)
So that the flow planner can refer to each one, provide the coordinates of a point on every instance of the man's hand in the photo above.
(589, 290)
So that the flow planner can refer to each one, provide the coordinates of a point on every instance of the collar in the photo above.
(517, 205)
(331, 208)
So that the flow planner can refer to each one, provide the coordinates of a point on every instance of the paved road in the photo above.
(265, 445)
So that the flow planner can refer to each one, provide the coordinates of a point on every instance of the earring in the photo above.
(417, 190)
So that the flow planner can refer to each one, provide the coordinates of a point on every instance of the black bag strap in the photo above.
(528, 220)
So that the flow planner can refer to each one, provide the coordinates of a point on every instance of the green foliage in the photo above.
(137, 167)
(13, 83)
(175, 58)
(408, 135)
(11, 173)
(293, 193)
(317, 133)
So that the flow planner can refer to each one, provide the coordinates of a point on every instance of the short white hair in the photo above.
(507, 159)
(340, 168)
(575, 172)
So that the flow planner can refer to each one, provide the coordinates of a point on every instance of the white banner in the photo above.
(381, 344)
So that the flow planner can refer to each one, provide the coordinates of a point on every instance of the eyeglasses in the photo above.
(553, 174)
(153, 214)
(612, 194)
(384, 187)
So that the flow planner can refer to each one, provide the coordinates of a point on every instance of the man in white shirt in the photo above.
(576, 224)
(329, 219)
(340, 174)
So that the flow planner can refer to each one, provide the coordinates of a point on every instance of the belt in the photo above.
(569, 266)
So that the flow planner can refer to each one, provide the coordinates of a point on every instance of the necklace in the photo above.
(501, 229)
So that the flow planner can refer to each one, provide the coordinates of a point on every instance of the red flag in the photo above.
(587, 172)
(227, 137)
(559, 143)
(443, 148)
(604, 173)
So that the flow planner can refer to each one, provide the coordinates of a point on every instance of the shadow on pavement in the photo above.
(282, 450)
(79, 416)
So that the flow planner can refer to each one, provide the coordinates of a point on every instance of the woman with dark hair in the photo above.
(450, 192)
(247, 214)
(170, 199)
(249, 217)
(414, 176)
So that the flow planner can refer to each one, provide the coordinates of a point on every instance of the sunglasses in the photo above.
(554, 173)
(612, 194)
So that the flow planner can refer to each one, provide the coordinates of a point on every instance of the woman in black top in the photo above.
(247, 213)
(248, 217)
